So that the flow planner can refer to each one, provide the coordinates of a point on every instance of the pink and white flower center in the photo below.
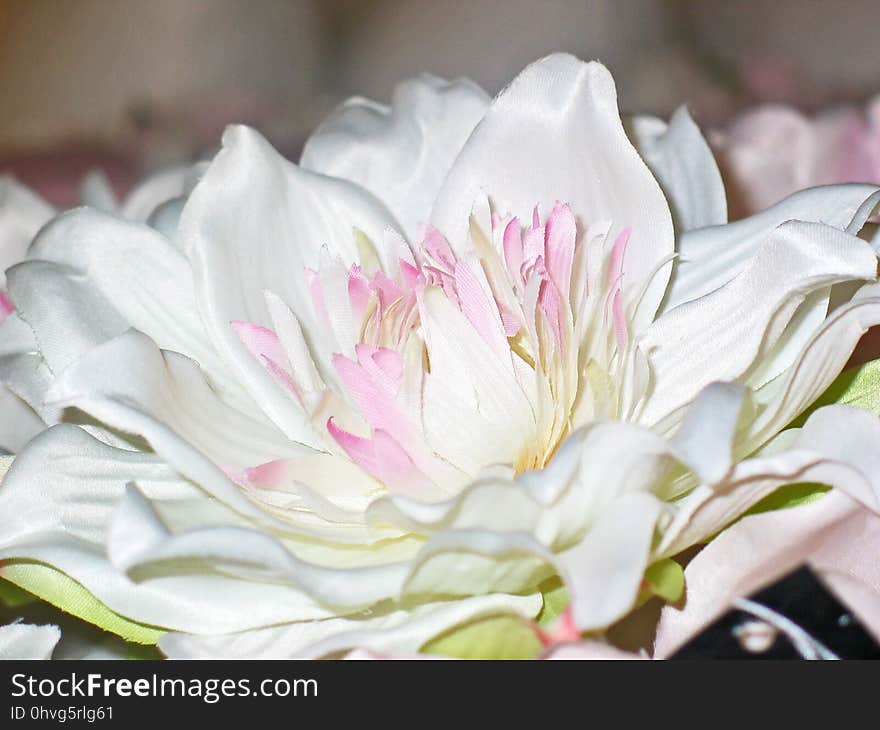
(546, 300)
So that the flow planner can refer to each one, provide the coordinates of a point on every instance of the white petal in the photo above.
(56, 503)
(130, 385)
(710, 257)
(401, 153)
(820, 361)
(138, 538)
(716, 338)
(22, 214)
(397, 632)
(160, 188)
(256, 222)
(604, 570)
(24, 372)
(706, 437)
(26, 641)
(127, 380)
(555, 134)
(110, 275)
(18, 422)
(96, 192)
(67, 314)
(680, 158)
(475, 412)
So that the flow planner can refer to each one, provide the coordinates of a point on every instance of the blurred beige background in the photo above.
(141, 83)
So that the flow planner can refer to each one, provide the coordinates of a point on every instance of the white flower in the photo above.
(318, 426)
(28, 641)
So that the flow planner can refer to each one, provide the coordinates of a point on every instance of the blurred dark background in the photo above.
(131, 85)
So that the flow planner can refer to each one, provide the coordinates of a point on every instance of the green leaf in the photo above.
(67, 594)
(666, 579)
(495, 637)
(789, 495)
(556, 600)
(12, 596)
(858, 386)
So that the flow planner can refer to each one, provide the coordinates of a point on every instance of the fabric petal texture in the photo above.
(465, 350)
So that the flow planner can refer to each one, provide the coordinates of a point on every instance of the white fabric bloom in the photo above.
(28, 641)
(317, 424)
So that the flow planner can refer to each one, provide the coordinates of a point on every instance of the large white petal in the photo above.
(24, 371)
(56, 504)
(22, 214)
(400, 153)
(710, 257)
(604, 571)
(128, 380)
(555, 134)
(402, 631)
(256, 222)
(109, 275)
(138, 538)
(716, 338)
(26, 641)
(18, 422)
(680, 158)
(475, 412)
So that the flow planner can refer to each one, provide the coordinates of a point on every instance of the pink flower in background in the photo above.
(772, 151)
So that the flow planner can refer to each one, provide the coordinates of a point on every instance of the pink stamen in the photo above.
(260, 341)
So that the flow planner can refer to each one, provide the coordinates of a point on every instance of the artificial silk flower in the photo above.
(772, 151)
(455, 356)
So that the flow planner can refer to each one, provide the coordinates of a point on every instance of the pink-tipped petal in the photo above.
(358, 291)
(509, 321)
(479, 309)
(260, 341)
(559, 241)
(270, 474)
(513, 249)
(359, 450)
(551, 305)
(437, 246)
